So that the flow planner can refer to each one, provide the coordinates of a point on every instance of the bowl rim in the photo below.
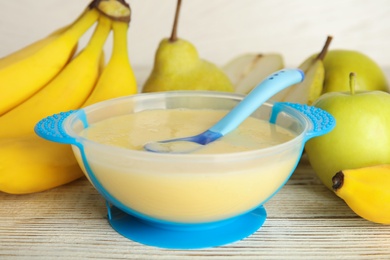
(145, 155)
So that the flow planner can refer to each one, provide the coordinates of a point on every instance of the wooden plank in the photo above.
(305, 221)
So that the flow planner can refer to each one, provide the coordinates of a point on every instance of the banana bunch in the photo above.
(366, 191)
(57, 78)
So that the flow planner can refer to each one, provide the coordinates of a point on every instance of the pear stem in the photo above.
(173, 37)
(352, 82)
(324, 50)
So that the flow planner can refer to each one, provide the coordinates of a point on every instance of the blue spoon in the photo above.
(261, 93)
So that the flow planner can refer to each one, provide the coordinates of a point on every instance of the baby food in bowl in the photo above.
(187, 200)
(208, 185)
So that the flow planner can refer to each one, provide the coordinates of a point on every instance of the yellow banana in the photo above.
(117, 78)
(32, 48)
(102, 62)
(36, 46)
(32, 164)
(68, 90)
(21, 79)
(366, 191)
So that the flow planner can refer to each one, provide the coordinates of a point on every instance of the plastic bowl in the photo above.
(184, 194)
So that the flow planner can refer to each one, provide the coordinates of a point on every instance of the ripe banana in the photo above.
(38, 45)
(23, 78)
(31, 164)
(366, 191)
(32, 48)
(102, 62)
(68, 90)
(117, 78)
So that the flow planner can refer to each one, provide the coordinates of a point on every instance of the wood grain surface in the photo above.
(305, 221)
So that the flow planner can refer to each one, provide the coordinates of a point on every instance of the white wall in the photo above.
(221, 29)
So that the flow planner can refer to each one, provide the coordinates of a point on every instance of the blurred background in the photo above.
(220, 29)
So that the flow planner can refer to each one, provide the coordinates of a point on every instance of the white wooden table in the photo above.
(305, 221)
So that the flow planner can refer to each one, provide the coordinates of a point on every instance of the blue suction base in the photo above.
(186, 236)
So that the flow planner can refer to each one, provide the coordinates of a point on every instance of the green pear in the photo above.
(339, 63)
(362, 134)
(177, 66)
(307, 91)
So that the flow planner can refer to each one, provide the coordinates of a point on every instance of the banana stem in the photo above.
(120, 40)
(173, 37)
(99, 36)
(338, 181)
(117, 10)
(81, 25)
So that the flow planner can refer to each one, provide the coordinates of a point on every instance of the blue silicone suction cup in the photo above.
(186, 236)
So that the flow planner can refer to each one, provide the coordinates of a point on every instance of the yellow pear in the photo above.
(177, 66)
(307, 91)
(247, 70)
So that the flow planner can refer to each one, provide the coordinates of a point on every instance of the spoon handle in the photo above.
(261, 93)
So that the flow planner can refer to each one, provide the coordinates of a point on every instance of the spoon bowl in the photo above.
(261, 93)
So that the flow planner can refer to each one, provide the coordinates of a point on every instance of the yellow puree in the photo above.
(186, 191)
